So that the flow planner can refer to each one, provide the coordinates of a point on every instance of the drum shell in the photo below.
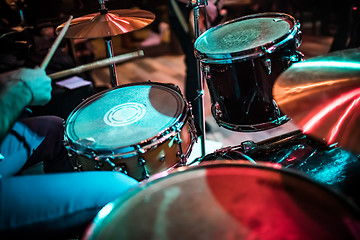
(162, 157)
(241, 91)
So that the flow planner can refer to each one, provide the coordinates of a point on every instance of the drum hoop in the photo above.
(131, 150)
(254, 127)
(268, 48)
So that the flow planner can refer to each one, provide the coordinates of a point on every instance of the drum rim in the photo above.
(244, 55)
(276, 167)
(160, 177)
(136, 148)
(255, 127)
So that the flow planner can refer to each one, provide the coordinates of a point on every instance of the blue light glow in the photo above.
(104, 211)
(335, 64)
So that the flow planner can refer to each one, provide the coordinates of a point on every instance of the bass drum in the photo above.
(138, 129)
(228, 200)
(241, 59)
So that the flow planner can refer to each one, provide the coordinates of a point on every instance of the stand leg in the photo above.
(201, 85)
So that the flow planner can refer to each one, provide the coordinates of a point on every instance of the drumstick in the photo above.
(55, 44)
(97, 64)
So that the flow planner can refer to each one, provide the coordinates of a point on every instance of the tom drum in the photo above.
(240, 61)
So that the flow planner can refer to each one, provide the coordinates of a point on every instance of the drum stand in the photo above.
(109, 49)
(110, 54)
(196, 4)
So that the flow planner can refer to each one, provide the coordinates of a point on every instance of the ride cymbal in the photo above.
(322, 96)
(112, 23)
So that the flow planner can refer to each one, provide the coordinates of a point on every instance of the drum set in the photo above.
(301, 185)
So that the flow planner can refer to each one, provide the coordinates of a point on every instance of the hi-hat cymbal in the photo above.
(110, 24)
(322, 96)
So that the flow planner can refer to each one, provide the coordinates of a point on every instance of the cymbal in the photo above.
(110, 24)
(322, 96)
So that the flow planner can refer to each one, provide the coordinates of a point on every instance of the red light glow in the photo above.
(111, 18)
(309, 126)
(335, 129)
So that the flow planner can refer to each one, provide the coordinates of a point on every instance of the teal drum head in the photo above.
(124, 116)
(244, 34)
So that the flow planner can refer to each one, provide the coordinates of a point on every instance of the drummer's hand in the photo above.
(212, 11)
(37, 82)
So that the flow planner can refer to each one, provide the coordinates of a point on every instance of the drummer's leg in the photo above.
(51, 151)
(35, 140)
(56, 205)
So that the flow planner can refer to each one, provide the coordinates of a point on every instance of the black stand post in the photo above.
(110, 54)
(109, 49)
(196, 4)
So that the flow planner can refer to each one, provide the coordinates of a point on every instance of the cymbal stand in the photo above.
(196, 4)
(109, 49)
(21, 6)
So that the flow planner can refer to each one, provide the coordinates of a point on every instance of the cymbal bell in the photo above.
(112, 23)
(322, 96)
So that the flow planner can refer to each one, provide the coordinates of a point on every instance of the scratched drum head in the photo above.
(124, 116)
(228, 200)
(246, 35)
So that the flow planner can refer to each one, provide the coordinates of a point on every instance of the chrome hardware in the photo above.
(121, 168)
(290, 60)
(180, 152)
(298, 39)
(206, 71)
(108, 161)
(142, 162)
(98, 165)
(162, 158)
(218, 112)
(267, 66)
(278, 19)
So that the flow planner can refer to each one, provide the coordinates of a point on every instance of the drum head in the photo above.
(228, 201)
(124, 116)
(244, 34)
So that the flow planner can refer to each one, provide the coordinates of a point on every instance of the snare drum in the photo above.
(138, 129)
(241, 60)
(228, 201)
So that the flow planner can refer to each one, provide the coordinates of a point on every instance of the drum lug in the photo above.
(206, 71)
(140, 150)
(297, 57)
(177, 127)
(142, 162)
(108, 161)
(180, 152)
(74, 160)
(267, 65)
(120, 168)
(218, 112)
(162, 158)
(145, 171)
(98, 165)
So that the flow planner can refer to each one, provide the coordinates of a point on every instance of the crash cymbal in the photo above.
(112, 23)
(322, 96)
